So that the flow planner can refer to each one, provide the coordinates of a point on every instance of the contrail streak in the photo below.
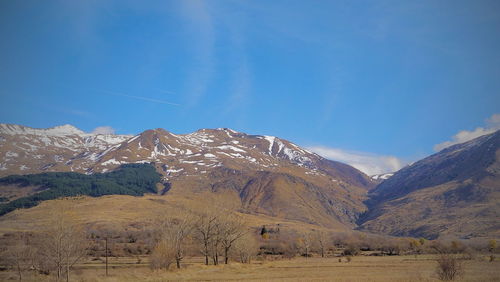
(141, 98)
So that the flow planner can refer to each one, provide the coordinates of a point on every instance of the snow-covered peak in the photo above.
(284, 149)
(14, 129)
(227, 130)
(61, 130)
(66, 129)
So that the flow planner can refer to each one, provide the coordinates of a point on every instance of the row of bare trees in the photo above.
(59, 244)
(214, 234)
(62, 241)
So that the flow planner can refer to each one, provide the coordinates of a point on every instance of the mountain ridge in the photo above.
(270, 175)
(455, 191)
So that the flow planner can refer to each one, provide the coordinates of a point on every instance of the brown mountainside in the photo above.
(453, 192)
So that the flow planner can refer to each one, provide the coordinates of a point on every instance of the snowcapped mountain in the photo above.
(66, 148)
(263, 170)
(31, 150)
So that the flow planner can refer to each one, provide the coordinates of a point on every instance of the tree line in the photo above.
(129, 179)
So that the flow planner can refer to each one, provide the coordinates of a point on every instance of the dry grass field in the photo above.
(119, 211)
(361, 268)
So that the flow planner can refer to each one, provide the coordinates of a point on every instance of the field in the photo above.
(361, 268)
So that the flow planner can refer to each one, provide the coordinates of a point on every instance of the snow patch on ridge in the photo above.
(229, 147)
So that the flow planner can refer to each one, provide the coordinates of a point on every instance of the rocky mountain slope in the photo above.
(269, 175)
(456, 191)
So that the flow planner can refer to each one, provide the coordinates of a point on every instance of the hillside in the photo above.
(453, 192)
(130, 179)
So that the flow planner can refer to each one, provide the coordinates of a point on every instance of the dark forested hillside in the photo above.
(129, 179)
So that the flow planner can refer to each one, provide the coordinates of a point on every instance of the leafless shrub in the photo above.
(246, 248)
(351, 250)
(449, 267)
(163, 255)
(170, 241)
(492, 245)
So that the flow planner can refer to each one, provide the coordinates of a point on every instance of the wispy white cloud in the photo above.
(200, 21)
(492, 125)
(240, 88)
(158, 101)
(103, 130)
(241, 82)
(368, 163)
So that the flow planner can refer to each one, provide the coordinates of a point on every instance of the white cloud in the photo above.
(368, 163)
(492, 125)
(103, 130)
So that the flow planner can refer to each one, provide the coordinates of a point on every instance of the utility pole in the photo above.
(106, 256)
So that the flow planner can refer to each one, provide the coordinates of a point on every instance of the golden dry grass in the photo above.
(119, 211)
(361, 268)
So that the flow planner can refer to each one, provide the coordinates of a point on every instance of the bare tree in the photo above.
(62, 242)
(321, 239)
(216, 240)
(19, 255)
(205, 231)
(305, 244)
(245, 248)
(231, 229)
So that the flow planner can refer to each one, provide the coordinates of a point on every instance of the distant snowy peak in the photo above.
(14, 129)
(61, 130)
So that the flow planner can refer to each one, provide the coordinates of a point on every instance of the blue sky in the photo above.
(382, 80)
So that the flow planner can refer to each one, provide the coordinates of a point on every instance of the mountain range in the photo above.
(271, 177)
